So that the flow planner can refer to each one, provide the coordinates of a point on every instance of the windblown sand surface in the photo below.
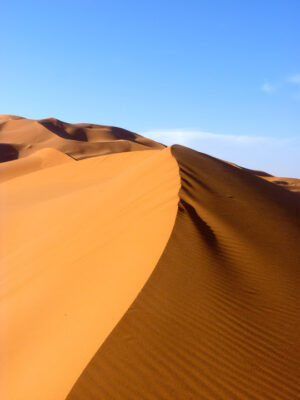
(159, 274)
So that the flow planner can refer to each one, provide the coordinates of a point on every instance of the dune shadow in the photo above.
(59, 129)
(202, 227)
(8, 152)
(255, 172)
(120, 133)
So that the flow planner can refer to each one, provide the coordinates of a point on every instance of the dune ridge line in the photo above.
(80, 242)
(219, 316)
(134, 271)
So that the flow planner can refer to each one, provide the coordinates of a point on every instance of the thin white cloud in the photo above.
(188, 137)
(271, 88)
(294, 79)
(278, 156)
(268, 88)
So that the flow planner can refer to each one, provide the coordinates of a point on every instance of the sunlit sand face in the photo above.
(176, 271)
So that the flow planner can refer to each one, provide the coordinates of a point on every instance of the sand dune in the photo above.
(291, 184)
(163, 274)
(219, 317)
(74, 259)
(41, 159)
(20, 137)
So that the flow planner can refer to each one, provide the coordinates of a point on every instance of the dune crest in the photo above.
(219, 316)
(74, 258)
(131, 274)
(26, 136)
(41, 159)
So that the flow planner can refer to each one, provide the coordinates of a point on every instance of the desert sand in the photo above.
(134, 271)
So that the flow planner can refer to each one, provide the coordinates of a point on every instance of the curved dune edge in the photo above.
(21, 137)
(219, 316)
(80, 241)
(291, 184)
(44, 158)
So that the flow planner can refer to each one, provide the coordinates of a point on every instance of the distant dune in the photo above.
(131, 270)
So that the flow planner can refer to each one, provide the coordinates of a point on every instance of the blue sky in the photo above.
(219, 76)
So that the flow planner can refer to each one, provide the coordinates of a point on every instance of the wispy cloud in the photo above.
(187, 137)
(274, 155)
(294, 79)
(268, 88)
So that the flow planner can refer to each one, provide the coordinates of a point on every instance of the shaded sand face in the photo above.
(20, 137)
(219, 316)
(159, 274)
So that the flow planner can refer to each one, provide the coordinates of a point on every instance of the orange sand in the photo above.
(111, 289)
(41, 159)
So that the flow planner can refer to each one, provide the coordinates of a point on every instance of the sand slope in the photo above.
(292, 184)
(79, 242)
(41, 159)
(20, 137)
(219, 317)
(114, 287)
